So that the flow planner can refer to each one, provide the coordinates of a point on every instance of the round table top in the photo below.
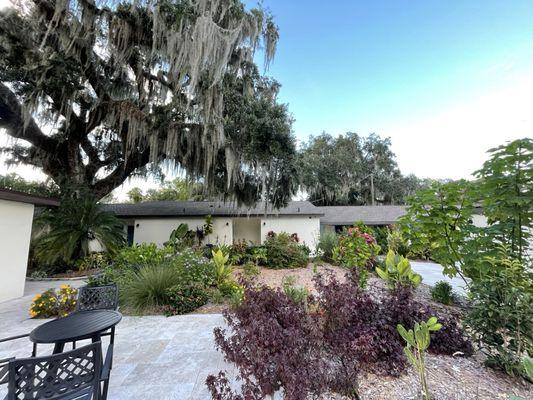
(76, 326)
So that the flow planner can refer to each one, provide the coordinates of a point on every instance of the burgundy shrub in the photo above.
(274, 343)
(322, 347)
(401, 308)
(355, 331)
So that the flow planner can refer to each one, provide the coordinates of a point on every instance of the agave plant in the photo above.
(398, 271)
(65, 234)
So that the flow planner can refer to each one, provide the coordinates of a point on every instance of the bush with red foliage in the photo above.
(401, 308)
(278, 344)
(274, 343)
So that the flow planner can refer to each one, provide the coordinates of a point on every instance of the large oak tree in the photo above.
(95, 92)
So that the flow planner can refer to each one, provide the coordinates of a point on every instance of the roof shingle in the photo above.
(370, 215)
(203, 208)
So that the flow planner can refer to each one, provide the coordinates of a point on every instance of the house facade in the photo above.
(16, 217)
(152, 222)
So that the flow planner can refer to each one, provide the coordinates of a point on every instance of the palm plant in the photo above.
(65, 234)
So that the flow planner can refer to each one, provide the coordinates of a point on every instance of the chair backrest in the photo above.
(65, 376)
(97, 298)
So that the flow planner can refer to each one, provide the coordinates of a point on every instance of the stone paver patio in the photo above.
(155, 357)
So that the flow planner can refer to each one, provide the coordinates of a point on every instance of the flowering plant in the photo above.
(53, 303)
(356, 250)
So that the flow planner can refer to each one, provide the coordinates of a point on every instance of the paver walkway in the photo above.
(155, 357)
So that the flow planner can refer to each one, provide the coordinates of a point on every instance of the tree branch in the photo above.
(13, 121)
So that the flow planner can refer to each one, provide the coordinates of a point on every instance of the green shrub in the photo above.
(396, 242)
(283, 251)
(147, 288)
(442, 292)
(327, 242)
(93, 261)
(501, 316)
(239, 252)
(356, 251)
(141, 254)
(191, 267)
(183, 299)
(380, 233)
(62, 235)
(397, 272)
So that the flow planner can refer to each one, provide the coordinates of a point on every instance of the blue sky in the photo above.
(440, 78)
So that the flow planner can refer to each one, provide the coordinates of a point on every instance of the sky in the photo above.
(445, 80)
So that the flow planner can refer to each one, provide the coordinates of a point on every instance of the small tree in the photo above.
(506, 191)
(440, 218)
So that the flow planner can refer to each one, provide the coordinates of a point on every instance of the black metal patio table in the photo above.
(76, 326)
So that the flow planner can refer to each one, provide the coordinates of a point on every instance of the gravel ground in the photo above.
(450, 378)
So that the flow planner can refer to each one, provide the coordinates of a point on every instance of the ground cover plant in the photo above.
(313, 345)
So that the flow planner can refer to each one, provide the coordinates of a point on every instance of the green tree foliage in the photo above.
(506, 193)
(15, 182)
(177, 189)
(94, 93)
(501, 316)
(440, 218)
(62, 235)
(339, 171)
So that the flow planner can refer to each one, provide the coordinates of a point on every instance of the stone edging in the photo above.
(77, 278)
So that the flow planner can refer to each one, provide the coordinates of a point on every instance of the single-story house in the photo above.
(338, 217)
(154, 221)
(16, 217)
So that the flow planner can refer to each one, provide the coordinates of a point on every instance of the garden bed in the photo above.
(449, 377)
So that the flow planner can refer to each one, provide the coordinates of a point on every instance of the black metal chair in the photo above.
(97, 298)
(72, 375)
(100, 298)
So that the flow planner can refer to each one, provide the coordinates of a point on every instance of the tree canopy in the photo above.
(95, 92)
(14, 181)
(341, 170)
(177, 189)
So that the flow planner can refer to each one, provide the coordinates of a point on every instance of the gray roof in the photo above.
(203, 208)
(370, 215)
(13, 195)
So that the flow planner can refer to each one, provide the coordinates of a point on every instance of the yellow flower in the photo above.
(65, 286)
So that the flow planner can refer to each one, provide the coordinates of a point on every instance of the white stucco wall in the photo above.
(157, 230)
(15, 234)
(248, 229)
(307, 228)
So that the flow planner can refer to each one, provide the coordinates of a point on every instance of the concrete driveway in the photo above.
(155, 357)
